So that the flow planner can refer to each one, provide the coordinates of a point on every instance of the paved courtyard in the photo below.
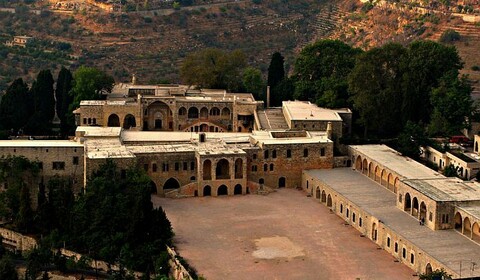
(283, 235)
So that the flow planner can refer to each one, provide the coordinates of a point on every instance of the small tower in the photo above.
(329, 130)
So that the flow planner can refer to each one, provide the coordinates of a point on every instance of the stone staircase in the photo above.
(272, 118)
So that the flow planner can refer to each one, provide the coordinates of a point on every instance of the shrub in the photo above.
(449, 36)
(475, 68)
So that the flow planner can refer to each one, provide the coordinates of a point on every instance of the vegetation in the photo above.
(449, 36)
(437, 274)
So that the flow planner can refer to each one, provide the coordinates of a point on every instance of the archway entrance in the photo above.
(329, 201)
(281, 182)
(158, 117)
(153, 187)
(415, 207)
(129, 121)
(317, 193)
(170, 184)
(423, 212)
(238, 168)
(324, 197)
(223, 169)
(358, 164)
(113, 121)
(238, 189)
(458, 222)
(467, 227)
(207, 170)
(222, 190)
(408, 203)
(207, 191)
(428, 269)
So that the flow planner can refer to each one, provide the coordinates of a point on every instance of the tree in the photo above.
(411, 139)
(26, 214)
(44, 104)
(321, 72)
(253, 82)
(7, 269)
(64, 99)
(16, 105)
(276, 71)
(434, 275)
(89, 84)
(214, 68)
(375, 89)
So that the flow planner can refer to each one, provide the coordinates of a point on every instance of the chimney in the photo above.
(268, 96)
(329, 130)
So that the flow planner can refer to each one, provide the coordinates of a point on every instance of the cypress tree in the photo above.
(16, 106)
(276, 71)
(44, 104)
(64, 98)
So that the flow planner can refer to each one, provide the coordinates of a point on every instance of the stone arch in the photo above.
(207, 190)
(113, 120)
(317, 193)
(374, 232)
(207, 170)
(383, 177)
(222, 190)
(422, 216)
(467, 226)
(365, 167)
(415, 207)
(395, 185)
(358, 164)
(153, 187)
(261, 181)
(238, 168)
(329, 200)
(171, 183)
(428, 268)
(390, 181)
(458, 221)
(476, 146)
(225, 112)
(371, 171)
(222, 170)
(407, 206)
(475, 231)
(324, 196)
(204, 113)
(214, 111)
(182, 111)
(237, 189)
(193, 113)
(129, 121)
(158, 117)
(282, 182)
(378, 178)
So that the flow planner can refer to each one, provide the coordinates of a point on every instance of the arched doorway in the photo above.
(222, 190)
(324, 197)
(423, 212)
(408, 203)
(182, 112)
(378, 177)
(365, 167)
(476, 231)
(383, 181)
(415, 207)
(207, 170)
(113, 121)
(225, 112)
(153, 187)
(204, 113)
(395, 185)
(317, 193)
(428, 269)
(207, 190)
(158, 117)
(374, 231)
(193, 113)
(358, 164)
(371, 171)
(329, 200)
(214, 111)
(282, 182)
(222, 170)
(458, 220)
(129, 121)
(467, 227)
(238, 168)
(171, 184)
(237, 189)
(390, 181)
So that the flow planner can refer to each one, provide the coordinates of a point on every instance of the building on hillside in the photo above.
(19, 41)
(467, 164)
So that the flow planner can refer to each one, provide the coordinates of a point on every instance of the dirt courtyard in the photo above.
(284, 235)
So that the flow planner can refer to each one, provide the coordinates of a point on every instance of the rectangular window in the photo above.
(165, 167)
(305, 152)
(404, 253)
(154, 167)
(185, 165)
(348, 213)
(254, 156)
(289, 153)
(412, 258)
(322, 152)
(145, 167)
(388, 242)
(396, 247)
(177, 166)
(75, 160)
(265, 154)
(353, 217)
(430, 216)
(58, 165)
(40, 165)
(254, 168)
(360, 222)
(274, 154)
(84, 120)
(192, 165)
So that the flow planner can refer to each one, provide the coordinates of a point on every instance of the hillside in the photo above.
(152, 43)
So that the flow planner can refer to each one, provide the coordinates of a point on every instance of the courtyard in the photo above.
(284, 235)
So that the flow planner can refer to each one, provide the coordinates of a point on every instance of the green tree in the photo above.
(64, 99)
(25, 216)
(276, 70)
(375, 89)
(253, 82)
(214, 68)
(15, 106)
(7, 269)
(434, 275)
(321, 72)
(411, 139)
(89, 84)
(44, 104)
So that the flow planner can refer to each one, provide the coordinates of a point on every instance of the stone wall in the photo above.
(17, 241)
(177, 270)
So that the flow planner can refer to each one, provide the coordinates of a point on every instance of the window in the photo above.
(154, 167)
(185, 165)
(360, 222)
(412, 258)
(40, 165)
(396, 247)
(145, 166)
(94, 121)
(75, 160)
(305, 152)
(265, 167)
(165, 167)
(192, 178)
(446, 218)
(254, 168)
(58, 165)
(177, 166)
(84, 120)
(430, 216)
(265, 154)
(388, 242)
(123, 173)
(192, 165)
(254, 156)
(261, 181)
(46, 150)
(89, 121)
(289, 153)
(348, 213)
(353, 217)
(404, 253)
(322, 152)
(271, 166)
(341, 208)
(400, 198)
(274, 154)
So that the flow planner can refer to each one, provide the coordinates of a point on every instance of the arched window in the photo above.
(223, 169)
(214, 111)
(182, 111)
(193, 113)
